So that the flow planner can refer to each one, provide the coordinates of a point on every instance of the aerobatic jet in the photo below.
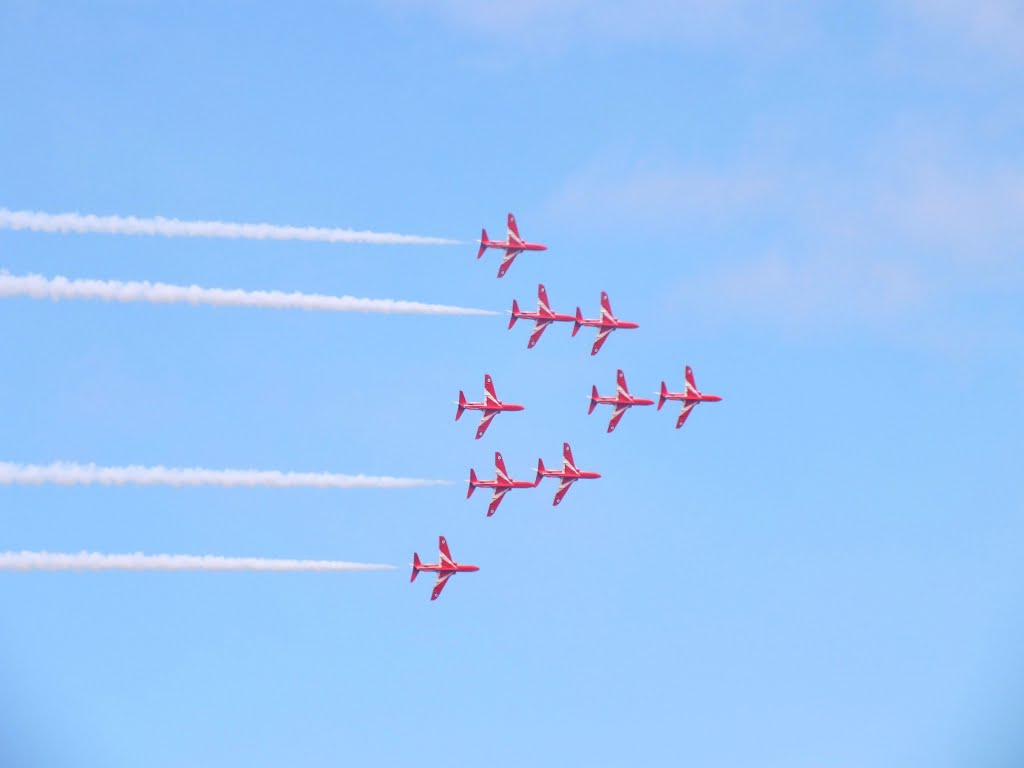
(689, 397)
(569, 474)
(513, 245)
(622, 401)
(445, 567)
(604, 324)
(543, 317)
(501, 484)
(491, 406)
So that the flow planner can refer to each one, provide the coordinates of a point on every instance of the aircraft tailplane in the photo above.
(483, 243)
(593, 399)
(515, 313)
(415, 567)
(579, 322)
(663, 395)
(472, 483)
(462, 405)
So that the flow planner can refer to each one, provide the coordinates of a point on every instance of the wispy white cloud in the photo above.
(607, 194)
(557, 23)
(995, 26)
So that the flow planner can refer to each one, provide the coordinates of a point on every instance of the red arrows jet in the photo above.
(543, 316)
(605, 324)
(445, 567)
(501, 484)
(689, 397)
(622, 401)
(569, 474)
(513, 245)
(491, 406)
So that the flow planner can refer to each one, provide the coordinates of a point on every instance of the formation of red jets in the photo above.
(491, 406)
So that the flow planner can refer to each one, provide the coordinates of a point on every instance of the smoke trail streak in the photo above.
(69, 473)
(57, 288)
(38, 221)
(96, 561)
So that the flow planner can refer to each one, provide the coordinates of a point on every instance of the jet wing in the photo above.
(485, 422)
(510, 256)
(499, 494)
(691, 385)
(687, 407)
(563, 489)
(617, 417)
(606, 307)
(538, 331)
(542, 299)
(620, 384)
(513, 230)
(490, 396)
(446, 556)
(567, 462)
(602, 335)
(499, 468)
(442, 579)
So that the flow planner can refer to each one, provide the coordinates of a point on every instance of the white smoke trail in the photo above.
(38, 221)
(96, 561)
(69, 473)
(57, 288)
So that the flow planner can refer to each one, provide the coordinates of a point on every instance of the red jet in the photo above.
(501, 484)
(690, 397)
(622, 401)
(569, 474)
(445, 567)
(491, 406)
(605, 324)
(543, 316)
(513, 245)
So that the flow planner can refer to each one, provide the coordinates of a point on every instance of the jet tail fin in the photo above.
(515, 313)
(541, 469)
(483, 243)
(663, 395)
(593, 399)
(415, 567)
(462, 405)
(579, 322)
(472, 483)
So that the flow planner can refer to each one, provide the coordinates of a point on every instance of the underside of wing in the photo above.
(445, 555)
(489, 394)
(513, 230)
(442, 579)
(499, 494)
(616, 417)
(687, 407)
(485, 422)
(563, 489)
(538, 331)
(602, 335)
(510, 256)
(606, 307)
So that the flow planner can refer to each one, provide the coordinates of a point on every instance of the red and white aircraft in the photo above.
(543, 317)
(491, 406)
(689, 397)
(513, 245)
(569, 474)
(622, 401)
(604, 324)
(501, 484)
(445, 567)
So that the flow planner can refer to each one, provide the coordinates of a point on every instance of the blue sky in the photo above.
(818, 209)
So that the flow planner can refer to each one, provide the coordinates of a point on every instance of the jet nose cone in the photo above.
(473, 568)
